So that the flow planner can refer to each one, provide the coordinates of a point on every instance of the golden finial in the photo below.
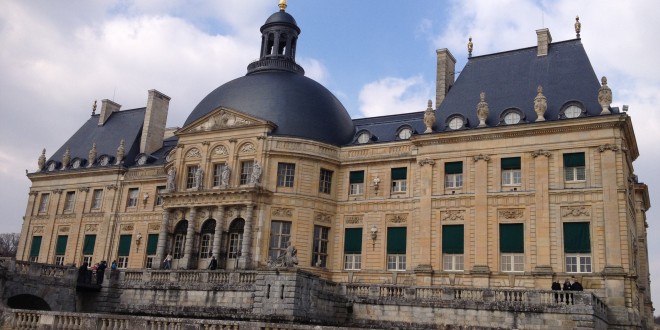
(470, 45)
(282, 5)
(578, 26)
(94, 108)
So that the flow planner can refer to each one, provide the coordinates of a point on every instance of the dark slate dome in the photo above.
(276, 89)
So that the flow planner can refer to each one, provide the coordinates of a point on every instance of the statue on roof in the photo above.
(578, 26)
(429, 117)
(42, 159)
(470, 46)
(91, 157)
(605, 97)
(482, 110)
(66, 158)
(540, 104)
(120, 152)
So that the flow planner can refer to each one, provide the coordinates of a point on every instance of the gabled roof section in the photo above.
(126, 125)
(510, 80)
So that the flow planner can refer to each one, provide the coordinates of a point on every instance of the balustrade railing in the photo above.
(135, 276)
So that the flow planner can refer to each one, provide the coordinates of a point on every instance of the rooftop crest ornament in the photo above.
(282, 5)
(429, 117)
(42, 159)
(66, 158)
(540, 104)
(482, 110)
(91, 157)
(94, 108)
(578, 26)
(605, 97)
(470, 46)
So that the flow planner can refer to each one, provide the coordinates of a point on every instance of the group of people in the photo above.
(569, 285)
(96, 272)
(167, 263)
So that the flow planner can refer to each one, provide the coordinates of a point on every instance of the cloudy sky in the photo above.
(377, 56)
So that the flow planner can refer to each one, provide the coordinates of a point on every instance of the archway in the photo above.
(28, 301)
(235, 242)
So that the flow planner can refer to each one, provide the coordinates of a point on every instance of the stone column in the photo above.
(162, 241)
(480, 269)
(542, 205)
(422, 226)
(190, 237)
(245, 260)
(219, 224)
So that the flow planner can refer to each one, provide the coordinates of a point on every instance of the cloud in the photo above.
(394, 95)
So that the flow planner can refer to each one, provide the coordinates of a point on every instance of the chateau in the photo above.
(519, 174)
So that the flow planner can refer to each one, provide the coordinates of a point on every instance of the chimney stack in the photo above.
(155, 118)
(544, 39)
(107, 108)
(444, 75)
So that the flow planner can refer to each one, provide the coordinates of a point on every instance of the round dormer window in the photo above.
(76, 164)
(512, 118)
(572, 111)
(456, 123)
(51, 166)
(104, 161)
(363, 138)
(405, 134)
(142, 160)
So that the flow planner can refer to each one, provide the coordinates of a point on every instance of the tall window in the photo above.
(320, 248)
(574, 167)
(356, 183)
(353, 249)
(97, 199)
(217, 174)
(88, 248)
(124, 250)
(285, 174)
(577, 247)
(399, 179)
(43, 203)
(60, 249)
(246, 171)
(35, 248)
(179, 239)
(160, 190)
(132, 197)
(396, 248)
(454, 175)
(69, 200)
(152, 246)
(206, 244)
(280, 234)
(512, 247)
(190, 176)
(325, 181)
(511, 175)
(452, 247)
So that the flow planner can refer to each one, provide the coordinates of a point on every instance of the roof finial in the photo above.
(94, 108)
(282, 5)
(482, 110)
(578, 26)
(540, 104)
(605, 97)
(429, 117)
(42, 159)
(470, 46)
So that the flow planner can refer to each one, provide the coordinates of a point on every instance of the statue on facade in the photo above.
(42, 159)
(540, 104)
(198, 179)
(91, 156)
(429, 118)
(605, 97)
(482, 110)
(256, 173)
(224, 176)
(171, 176)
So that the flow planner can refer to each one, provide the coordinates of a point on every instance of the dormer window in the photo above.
(76, 163)
(405, 133)
(455, 122)
(104, 161)
(572, 110)
(511, 117)
(365, 137)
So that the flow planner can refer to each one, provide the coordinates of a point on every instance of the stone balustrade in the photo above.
(133, 277)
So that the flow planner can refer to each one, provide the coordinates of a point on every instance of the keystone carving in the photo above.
(282, 212)
(127, 227)
(193, 153)
(220, 151)
(397, 218)
(453, 215)
(353, 219)
(64, 229)
(247, 148)
(512, 214)
(91, 227)
(481, 157)
(323, 217)
(426, 161)
(608, 147)
(575, 211)
(38, 230)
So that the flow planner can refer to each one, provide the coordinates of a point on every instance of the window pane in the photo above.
(396, 240)
(577, 237)
(512, 238)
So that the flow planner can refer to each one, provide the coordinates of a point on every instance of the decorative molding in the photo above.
(65, 216)
(83, 189)
(111, 187)
(481, 157)
(261, 137)
(128, 227)
(41, 217)
(397, 218)
(92, 227)
(220, 151)
(154, 227)
(57, 191)
(38, 230)
(247, 148)
(205, 143)
(233, 140)
(193, 153)
(541, 152)
(33, 193)
(353, 219)
(453, 215)
(510, 214)
(64, 229)
(608, 147)
(282, 212)
(323, 217)
(575, 211)
(426, 161)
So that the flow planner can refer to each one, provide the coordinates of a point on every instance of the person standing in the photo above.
(213, 265)
(167, 263)
(100, 272)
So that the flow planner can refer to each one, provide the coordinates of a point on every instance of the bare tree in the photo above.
(9, 244)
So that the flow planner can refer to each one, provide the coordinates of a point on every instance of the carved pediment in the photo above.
(222, 118)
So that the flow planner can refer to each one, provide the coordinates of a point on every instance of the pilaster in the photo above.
(190, 237)
(219, 217)
(422, 225)
(245, 260)
(542, 205)
(481, 220)
(162, 240)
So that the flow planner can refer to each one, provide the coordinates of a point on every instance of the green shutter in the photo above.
(574, 159)
(357, 177)
(60, 247)
(124, 245)
(576, 237)
(353, 241)
(512, 163)
(452, 239)
(512, 238)
(454, 168)
(396, 240)
(399, 173)
(88, 245)
(152, 244)
(36, 246)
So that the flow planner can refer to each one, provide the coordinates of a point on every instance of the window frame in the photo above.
(132, 200)
(286, 173)
(453, 262)
(190, 176)
(217, 174)
(282, 236)
(43, 203)
(320, 246)
(396, 262)
(580, 263)
(206, 246)
(574, 173)
(325, 181)
(247, 166)
(69, 201)
(512, 262)
(355, 185)
(399, 185)
(97, 199)
(160, 190)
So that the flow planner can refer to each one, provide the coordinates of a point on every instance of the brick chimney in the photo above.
(444, 75)
(155, 118)
(107, 108)
(544, 39)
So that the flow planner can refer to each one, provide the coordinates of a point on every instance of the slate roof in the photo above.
(385, 128)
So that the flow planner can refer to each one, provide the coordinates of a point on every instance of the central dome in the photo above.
(275, 89)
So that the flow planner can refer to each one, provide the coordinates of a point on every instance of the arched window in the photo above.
(456, 122)
(572, 109)
(179, 239)
(512, 116)
(235, 238)
(206, 241)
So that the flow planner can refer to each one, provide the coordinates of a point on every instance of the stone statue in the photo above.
(171, 177)
(91, 156)
(540, 104)
(429, 117)
(66, 158)
(470, 46)
(482, 110)
(120, 152)
(604, 97)
(224, 176)
(287, 259)
(199, 177)
(42, 159)
(256, 173)
(578, 26)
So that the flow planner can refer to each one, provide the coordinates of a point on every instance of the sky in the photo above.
(377, 56)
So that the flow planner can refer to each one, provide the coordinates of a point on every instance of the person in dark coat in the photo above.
(556, 287)
(100, 271)
(83, 272)
(576, 286)
(213, 265)
(567, 285)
